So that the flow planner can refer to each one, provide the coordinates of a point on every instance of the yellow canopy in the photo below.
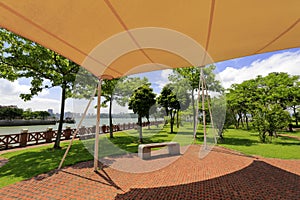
(117, 38)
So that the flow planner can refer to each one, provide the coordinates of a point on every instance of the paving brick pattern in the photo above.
(223, 174)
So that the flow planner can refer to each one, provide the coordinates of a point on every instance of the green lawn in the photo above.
(248, 143)
(295, 133)
(127, 141)
(26, 163)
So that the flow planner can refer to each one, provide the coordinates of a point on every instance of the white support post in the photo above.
(197, 108)
(76, 131)
(96, 150)
(203, 108)
(210, 112)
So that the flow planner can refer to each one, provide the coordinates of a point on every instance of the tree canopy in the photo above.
(168, 100)
(140, 102)
(266, 100)
(190, 77)
(21, 58)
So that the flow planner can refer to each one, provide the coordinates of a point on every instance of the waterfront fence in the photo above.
(26, 138)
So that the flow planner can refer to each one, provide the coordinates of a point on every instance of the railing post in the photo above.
(68, 133)
(104, 128)
(23, 137)
(49, 134)
(82, 130)
(94, 129)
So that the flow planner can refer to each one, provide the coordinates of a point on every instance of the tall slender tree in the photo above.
(168, 100)
(191, 75)
(119, 90)
(140, 102)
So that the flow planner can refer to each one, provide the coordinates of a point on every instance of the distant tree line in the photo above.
(10, 113)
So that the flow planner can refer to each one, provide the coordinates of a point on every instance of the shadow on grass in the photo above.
(238, 141)
(285, 140)
(28, 163)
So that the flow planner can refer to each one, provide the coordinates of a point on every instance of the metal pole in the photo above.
(96, 150)
(203, 109)
(76, 131)
(210, 113)
(197, 108)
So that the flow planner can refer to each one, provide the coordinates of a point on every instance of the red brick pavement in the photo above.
(222, 174)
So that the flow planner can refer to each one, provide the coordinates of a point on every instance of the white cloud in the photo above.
(79, 106)
(10, 91)
(282, 62)
(163, 80)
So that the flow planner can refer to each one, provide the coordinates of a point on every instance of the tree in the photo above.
(269, 120)
(294, 99)
(265, 99)
(219, 115)
(119, 90)
(43, 114)
(180, 89)
(192, 75)
(241, 100)
(10, 112)
(140, 102)
(20, 57)
(108, 91)
(168, 100)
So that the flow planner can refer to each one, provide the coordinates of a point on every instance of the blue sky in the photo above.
(246, 61)
(228, 72)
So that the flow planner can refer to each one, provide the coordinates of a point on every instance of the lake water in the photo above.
(88, 122)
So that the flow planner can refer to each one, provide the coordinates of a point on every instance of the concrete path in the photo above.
(222, 174)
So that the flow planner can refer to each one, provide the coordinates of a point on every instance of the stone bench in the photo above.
(144, 151)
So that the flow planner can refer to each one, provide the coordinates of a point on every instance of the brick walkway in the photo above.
(223, 174)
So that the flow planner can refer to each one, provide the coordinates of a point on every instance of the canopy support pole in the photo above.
(210, 111)
(96, 150)
(203, 107)
(76, 131)
(197, 109)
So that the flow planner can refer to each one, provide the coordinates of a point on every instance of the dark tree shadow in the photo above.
(239, 141)
(259, 180)
(30, 163)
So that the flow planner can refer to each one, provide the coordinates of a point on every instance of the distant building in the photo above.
(50, 111)
(68, 115)
(10, 106)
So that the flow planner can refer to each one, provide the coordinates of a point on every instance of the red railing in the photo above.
(32, 138)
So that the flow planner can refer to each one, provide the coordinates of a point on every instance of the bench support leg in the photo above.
(144, 153)
(174, 149)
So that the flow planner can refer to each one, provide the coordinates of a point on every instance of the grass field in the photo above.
(295, 133)
(248, 143)
(26, 163)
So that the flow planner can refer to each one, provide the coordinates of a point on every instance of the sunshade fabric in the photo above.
(117, 38)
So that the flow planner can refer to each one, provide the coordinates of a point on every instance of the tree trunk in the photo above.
(236, 124)
(177, 116)
(247, 122)
(172, 121)
(140, 129)
(61, 119)
(295, 114)
(148, 121)
(240, 120)
(111, 134)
